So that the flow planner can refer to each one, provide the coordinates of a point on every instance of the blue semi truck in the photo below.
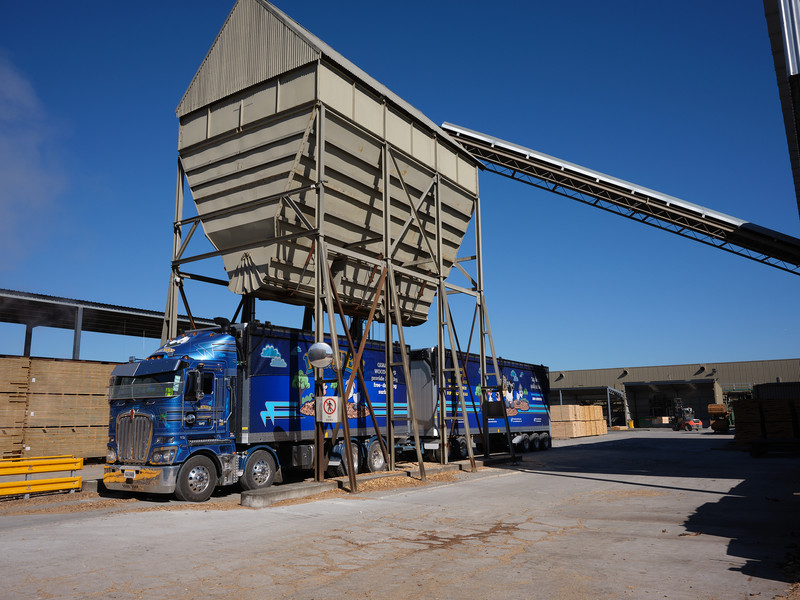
(236, 404)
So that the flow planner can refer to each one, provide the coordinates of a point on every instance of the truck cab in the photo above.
(172, 409)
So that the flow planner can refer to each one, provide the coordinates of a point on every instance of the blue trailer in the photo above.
(522, 396)
(237, 404)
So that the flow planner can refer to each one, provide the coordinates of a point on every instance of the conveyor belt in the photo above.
(632, 201)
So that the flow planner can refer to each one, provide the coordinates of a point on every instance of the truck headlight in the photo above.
(111, 454)
(164, 455)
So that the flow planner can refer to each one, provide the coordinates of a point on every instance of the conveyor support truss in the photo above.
(632, 201)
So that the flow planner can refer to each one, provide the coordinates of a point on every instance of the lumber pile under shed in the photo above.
(771, 414)
(573, 420)
(53, 407)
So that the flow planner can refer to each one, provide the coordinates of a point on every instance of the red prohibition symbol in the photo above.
(329, 406)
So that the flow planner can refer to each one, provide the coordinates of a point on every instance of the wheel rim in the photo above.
(261, 471)
(198, 479)
(376, 461)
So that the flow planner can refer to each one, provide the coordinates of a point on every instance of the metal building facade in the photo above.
(650, 390)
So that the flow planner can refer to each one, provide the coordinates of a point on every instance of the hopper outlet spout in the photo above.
(245, 278)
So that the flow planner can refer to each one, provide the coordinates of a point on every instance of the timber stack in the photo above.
(51, 407)
(573, 420)
(771, 414)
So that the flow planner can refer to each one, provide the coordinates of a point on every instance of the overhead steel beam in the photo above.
(632, 201)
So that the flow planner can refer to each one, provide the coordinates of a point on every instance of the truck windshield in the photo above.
(155, 385)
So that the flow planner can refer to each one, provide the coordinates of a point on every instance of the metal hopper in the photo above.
(275, 126)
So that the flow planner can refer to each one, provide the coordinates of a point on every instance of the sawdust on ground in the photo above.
(63, 503)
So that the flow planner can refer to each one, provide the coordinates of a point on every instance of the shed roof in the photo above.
(39, 310)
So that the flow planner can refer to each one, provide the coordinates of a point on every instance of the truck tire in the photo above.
(545, 441)
(458, 449)
(341, 469)
(536, 441)
(525, 443)
(259, 471)
(375, 460)
(197, 479)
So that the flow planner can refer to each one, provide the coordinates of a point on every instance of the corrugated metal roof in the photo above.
(245, 54)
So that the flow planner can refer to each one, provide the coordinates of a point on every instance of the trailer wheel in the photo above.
(458, 449)
(525, 443)
(259, 471)
(197, 479)
(375, 460)
(536, 442)
(341, 469)
(545, 441)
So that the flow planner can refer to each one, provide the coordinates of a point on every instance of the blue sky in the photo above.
(679, 97)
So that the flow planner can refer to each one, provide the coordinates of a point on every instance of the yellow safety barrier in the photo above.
(16, 467)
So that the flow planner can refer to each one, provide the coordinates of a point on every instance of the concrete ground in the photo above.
(638, 514)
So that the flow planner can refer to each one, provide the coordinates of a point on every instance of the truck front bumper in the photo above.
(141, 478)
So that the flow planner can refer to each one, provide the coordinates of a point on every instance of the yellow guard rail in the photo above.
(14, 468)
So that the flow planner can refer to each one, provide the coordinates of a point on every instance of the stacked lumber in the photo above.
(771, 414)
(14, 375)
(571, 421)
(53, 407)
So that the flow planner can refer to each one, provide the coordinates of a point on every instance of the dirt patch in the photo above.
(610, 494)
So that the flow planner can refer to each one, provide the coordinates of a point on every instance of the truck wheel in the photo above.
(375, 460)
(197, 479)
(259, 471)
(341, 469)
(536, 442)
(525, 443)
(458, 449)
(545, 441)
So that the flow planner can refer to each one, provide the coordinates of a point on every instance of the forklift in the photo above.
(683, 417)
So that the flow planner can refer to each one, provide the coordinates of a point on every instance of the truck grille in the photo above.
(134, 432)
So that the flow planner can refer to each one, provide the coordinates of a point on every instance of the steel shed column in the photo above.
(26, 351)
(76, 337)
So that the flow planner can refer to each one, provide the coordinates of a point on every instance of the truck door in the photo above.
(210, 406)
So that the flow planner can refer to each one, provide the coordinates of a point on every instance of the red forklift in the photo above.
(683, 417)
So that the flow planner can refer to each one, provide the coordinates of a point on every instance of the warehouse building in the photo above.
(647, 395)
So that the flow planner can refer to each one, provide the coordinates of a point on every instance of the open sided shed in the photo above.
(282, 139)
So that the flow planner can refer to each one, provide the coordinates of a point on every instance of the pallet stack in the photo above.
(772, 414)
(572, 420)
(53, 407)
